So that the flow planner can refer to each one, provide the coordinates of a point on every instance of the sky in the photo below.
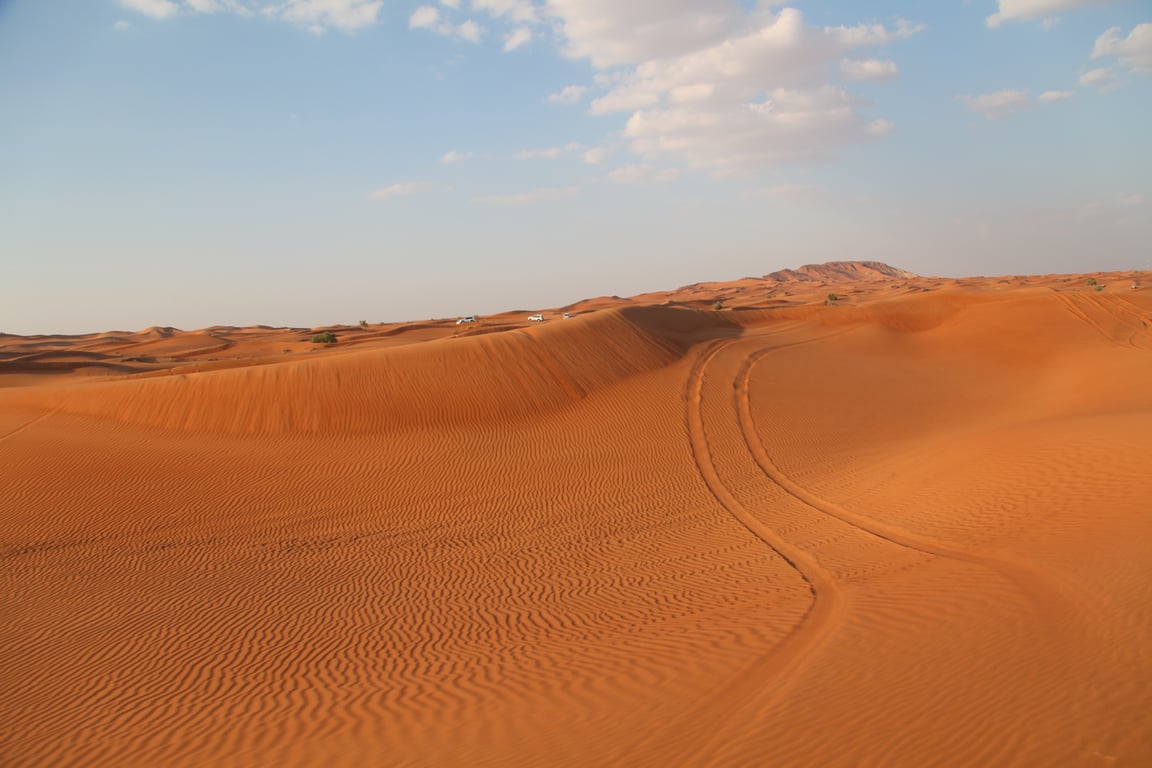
(304, 163)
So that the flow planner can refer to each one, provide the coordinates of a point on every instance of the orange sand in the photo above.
(912, 528)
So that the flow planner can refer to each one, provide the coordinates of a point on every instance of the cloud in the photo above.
(1134, 51)
(1103, 78)
(715, 86)
(396, 190)
(569, 94)
(597, 155)
(430, 18)
(519, 11)
(869, 69)
(317, 15)
(643, 174)
(1051, 97)
(998, 105)
(122, 26)
(516, 38)
(547, 153)
(544, 194)
(452, 156)
(1028, 10)
(313, 15)
(157, 9)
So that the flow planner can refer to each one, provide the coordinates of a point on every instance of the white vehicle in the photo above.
(567, 315)
(469, 319)
(536, 318)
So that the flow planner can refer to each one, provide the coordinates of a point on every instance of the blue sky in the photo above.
(310, 162)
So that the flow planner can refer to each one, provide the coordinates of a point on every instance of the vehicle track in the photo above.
(1038, 587)
(1119, 311)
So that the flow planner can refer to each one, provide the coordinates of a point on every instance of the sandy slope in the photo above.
(910, 528)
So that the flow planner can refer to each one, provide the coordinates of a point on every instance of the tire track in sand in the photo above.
(31, 423)
(768, 678)
(1039, 587)
(1076, 307)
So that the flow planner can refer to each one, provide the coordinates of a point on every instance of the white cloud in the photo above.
(526, 198)
(516, 38)
(569, 94)
(998, 105)
(723, 88)
(611, 33)
(453, 4)
(547, 153)
(1134, 51)
(424, 17)
(1050, 97)
(204, 6)
(121, 26)
(597, 155)
(519, 11)
(1028, 10)
(429, 17)
(157, 9)
(452, 156)
(396, 190)
(643, 174)
(1102, 78)
(869, 69)
(317, 15)
(313, 15)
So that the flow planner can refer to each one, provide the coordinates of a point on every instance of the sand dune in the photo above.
(906, 527)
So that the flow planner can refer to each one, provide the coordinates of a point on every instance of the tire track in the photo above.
(31, 423)
(1073, 308)
(766, 680)
(1039, 587)
(1125, 314)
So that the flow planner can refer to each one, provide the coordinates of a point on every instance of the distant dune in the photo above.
(906, 524)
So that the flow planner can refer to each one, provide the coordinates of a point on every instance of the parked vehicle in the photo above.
(536, 318)
(567, 315)
(469, 319)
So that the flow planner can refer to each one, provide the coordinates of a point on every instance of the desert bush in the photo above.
(324, 338)
(833, 298)
(1099, 287)
(1092, 282)
(363, 323)
(718, 305)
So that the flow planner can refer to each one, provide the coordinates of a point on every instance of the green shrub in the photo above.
(1099, 287)
(1092, 281)
(833, 298)
(324, 338)
(718, 305)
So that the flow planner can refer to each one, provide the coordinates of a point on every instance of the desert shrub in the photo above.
(833, 298)
(1092, 282)
(324, 338)
(363, 323)
(718, 305)
(1099, 287)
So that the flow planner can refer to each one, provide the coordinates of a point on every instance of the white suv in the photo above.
(536, 318)
(469, 319)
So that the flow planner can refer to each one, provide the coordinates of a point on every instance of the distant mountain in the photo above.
(840, 272)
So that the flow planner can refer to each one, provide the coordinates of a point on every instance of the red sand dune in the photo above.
(907, 527)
